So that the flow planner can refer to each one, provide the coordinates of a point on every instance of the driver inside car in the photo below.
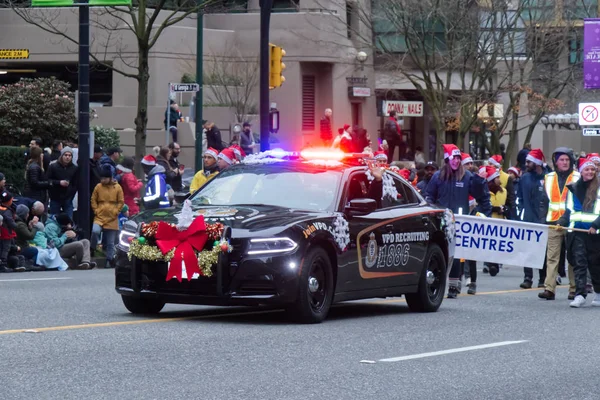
(361, 188)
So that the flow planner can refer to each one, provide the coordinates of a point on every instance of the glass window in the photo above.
(406, 195)
(281, 186)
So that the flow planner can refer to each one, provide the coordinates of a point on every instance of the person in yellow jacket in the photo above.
(498, 197)
(210, 170)
(506, 181)
(107, 202)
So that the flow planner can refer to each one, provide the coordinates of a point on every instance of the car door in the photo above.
(353, 273)
(405, 235)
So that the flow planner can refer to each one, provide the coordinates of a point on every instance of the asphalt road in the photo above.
(503, 343)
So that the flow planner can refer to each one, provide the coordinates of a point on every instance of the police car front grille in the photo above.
(257, 288)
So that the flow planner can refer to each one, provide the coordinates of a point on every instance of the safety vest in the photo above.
(557, 199)
(498, 199)
(578, 218)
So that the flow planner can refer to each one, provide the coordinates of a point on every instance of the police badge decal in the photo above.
(372, 250)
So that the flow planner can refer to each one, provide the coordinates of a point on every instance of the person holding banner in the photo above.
(582, 216)
(555, 185)
(498, 198)
(532, 196)
(450, 187)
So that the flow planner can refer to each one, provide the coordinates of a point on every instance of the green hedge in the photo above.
(12, 165)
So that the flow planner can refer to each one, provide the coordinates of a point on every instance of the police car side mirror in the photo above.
(361, 207)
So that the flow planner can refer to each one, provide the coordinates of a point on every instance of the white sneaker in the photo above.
(596, 301)
(578, 302)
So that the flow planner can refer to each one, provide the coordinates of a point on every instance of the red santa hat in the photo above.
(536, 156)
(149, 160)
(515, 171)
(227, 155)
(346, 126)
(214, 153)
(405, 173)
(492, 173)
(240, 154)
(482, 169)
(466, 158)
(495, 160)
(472, 201)
(450, 150)
(595, 157)
(584, 163)
(380, 156)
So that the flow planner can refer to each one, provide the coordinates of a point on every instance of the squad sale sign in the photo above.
(501, 241)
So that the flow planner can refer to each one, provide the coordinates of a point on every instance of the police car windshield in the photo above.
(310, 189)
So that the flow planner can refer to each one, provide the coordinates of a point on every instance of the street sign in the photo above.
(184, 87)
(14, 54)
(589, 113)
(591, 132)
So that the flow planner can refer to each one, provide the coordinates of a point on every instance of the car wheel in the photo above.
(432, 283)
(138, 305)
(315, 291)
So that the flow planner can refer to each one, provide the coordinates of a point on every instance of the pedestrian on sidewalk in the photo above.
(583, 249)
(107, 202)
(450, 187)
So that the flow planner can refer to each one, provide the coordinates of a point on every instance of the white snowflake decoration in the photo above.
(449, 227)
(389, 187)
(265, 157)
(369, 175)
(186, 217)
(340, 231)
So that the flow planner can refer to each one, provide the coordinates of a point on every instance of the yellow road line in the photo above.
(159, 320)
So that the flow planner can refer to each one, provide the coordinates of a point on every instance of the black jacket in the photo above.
(176, 180)
(58, 172)
(36, 184)
(213, 138)
(390, 131)
(94, 174)
(169, 174)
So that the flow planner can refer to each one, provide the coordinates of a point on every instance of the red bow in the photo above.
(184, 242)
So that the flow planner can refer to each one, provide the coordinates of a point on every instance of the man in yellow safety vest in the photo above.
(555, 185)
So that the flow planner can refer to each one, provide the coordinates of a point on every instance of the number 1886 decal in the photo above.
(388, 256)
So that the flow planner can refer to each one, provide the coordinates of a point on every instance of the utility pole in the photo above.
(199, 80)
(83, 120)
(265, 21)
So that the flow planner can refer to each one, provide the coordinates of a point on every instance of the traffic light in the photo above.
(276, 77)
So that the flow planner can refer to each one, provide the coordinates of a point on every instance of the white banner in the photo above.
(501, 241)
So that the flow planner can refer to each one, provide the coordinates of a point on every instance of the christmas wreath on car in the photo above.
(190, 247)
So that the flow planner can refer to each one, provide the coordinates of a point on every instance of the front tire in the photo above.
(315, 291)
(137, 305)
(432, 283)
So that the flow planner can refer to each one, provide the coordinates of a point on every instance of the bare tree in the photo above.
(146, 20)
(232, 80)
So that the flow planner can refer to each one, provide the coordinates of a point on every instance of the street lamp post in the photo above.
(83, 197)
(199, 80)
(265, 20)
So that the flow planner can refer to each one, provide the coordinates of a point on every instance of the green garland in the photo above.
(207, 259)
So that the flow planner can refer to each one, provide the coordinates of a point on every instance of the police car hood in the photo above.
(246, 220)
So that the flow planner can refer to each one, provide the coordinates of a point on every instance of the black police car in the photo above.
(304, 235)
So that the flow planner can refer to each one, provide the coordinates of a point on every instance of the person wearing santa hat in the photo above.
(450, 187)
(240, 154)
(156, 194)
(209, 161)
(225, 159)
(583, 248)
(344, 140)
(381, 158)
(148, 162)
(496, 160)
(531, 196)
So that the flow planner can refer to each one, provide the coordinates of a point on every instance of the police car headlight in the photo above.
(271, 246)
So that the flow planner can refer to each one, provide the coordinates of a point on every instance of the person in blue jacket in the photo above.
(156, 189)
(533, 200)
(450, 187)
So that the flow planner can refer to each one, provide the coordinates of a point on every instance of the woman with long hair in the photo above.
(450, 188)
(36, 184)
(583, 248)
